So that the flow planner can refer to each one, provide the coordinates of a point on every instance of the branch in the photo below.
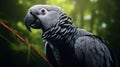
(24, 41)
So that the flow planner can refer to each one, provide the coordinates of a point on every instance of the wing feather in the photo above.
(93, 52)
(50, 55)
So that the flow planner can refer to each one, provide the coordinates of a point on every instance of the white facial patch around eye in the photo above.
(43, 11)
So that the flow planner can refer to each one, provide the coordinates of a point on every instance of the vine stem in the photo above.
(25, 42)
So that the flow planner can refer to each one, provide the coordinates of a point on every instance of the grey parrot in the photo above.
(65, 44)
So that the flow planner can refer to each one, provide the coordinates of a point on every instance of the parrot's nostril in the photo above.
(31, 12)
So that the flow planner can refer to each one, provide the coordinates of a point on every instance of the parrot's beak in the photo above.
(32, 20)
(29, 20)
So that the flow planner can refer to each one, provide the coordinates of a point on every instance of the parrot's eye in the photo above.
(43, 11)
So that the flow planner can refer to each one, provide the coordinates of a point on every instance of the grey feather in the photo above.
(94, 51)
(67, 45)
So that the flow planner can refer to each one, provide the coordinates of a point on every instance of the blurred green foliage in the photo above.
(100, 17)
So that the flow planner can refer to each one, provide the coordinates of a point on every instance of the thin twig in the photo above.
(24, 41)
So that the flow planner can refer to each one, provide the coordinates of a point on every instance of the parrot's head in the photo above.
(42, 16)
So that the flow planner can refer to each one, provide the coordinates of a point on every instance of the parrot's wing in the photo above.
(50, 55)
(92, 52)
